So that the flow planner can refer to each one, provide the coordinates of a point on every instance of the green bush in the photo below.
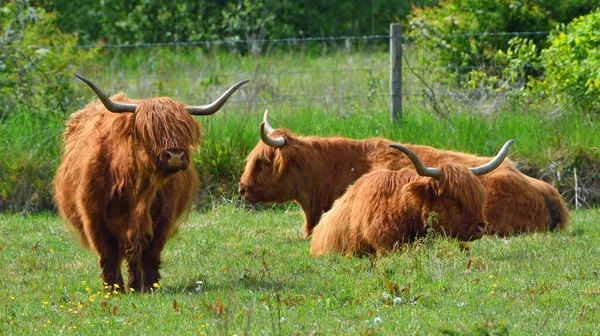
(567, 71)
(572, 63)
(137, 21)
(36, 59)
(452, 32)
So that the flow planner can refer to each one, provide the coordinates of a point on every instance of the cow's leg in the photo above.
(151, 256)
(139, 236)
(107, 247)
(312, 215)
(134, 273)
(91, 205)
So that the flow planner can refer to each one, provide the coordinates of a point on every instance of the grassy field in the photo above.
(231, 270)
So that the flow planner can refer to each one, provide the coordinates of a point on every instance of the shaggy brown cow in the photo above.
(315, 171)
(385, 209)
(125, 178)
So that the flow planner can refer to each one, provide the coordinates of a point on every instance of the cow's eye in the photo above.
(260, 164)
(257, 165)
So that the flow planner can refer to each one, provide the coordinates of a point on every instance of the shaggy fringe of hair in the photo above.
(460, 182)
(164, 123)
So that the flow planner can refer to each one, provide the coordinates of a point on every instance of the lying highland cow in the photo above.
(385, 209)
(315, 171)
(126, 176)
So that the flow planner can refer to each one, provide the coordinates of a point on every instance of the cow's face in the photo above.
(167, 133)
(270, 176)
(459, 204)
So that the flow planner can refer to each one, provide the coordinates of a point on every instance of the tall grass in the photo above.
(333, 92)
(30, 152)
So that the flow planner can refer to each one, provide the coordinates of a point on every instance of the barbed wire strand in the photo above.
(282, 40)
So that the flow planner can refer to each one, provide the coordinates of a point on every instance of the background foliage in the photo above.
(452, 30)
(115, 21)
(572, 63)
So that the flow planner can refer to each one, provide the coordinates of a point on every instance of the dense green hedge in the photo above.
(572, 63)
(117, 21)
(451, 32)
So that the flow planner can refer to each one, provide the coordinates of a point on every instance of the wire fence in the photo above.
(345, 73)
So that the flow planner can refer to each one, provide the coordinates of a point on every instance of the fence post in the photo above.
(395, 72)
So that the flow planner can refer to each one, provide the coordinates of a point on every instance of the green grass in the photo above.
(258, 278)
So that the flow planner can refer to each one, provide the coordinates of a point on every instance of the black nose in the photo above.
(242, 191)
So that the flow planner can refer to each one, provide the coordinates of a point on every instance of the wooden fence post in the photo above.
(395, 72)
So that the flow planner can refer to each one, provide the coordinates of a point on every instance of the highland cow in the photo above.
(315, 171)
(385, 209)
(126, 177)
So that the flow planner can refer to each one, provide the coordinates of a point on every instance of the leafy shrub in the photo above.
(453, 32)
(36, 59)
(138, 21)
(572, 63)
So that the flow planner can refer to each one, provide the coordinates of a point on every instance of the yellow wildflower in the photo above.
(155, 285)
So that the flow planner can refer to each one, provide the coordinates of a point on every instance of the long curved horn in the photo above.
(109, 104)
(495, 162)
(217, 104)
(419, 166)
(268, 127)
(267, 140)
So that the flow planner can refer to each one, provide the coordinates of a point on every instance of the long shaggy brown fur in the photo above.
(315, 171)
(385, 209)
(109, 189)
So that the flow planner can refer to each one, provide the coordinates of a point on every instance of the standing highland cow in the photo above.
(126, 176)
(315, 171)
(385, 209)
